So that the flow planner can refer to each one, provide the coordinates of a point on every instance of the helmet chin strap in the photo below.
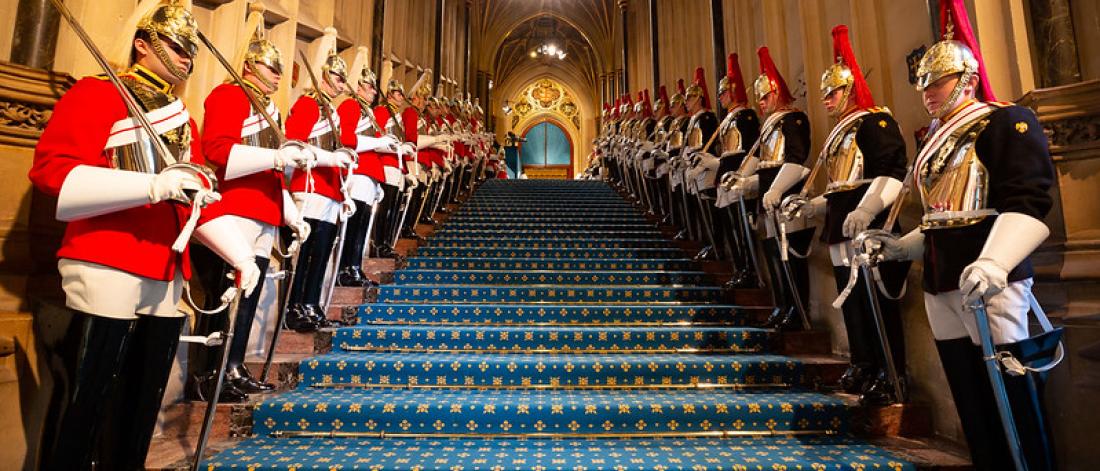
(260, 77)
(842, 107)
(169, 64)
(952, 101)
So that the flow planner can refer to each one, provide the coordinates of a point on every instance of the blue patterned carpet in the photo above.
(548, 326)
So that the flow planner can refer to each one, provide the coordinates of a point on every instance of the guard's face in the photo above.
(367, 92)
(768, 103)
(177, 54)
(267, 73)
(338, 86)
(833, 100)
(694, 103)
(726, 98)
(397, 98)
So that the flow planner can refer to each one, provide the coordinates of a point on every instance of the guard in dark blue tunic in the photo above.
(776, 170)
(864, 162)
(983, 172)
(737, 132)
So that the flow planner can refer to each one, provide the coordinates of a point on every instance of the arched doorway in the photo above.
(548, 152)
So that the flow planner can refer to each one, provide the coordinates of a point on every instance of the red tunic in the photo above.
(299, 124)
(258, 196)
(410, 118)
(370, 162)
(382, 115)
(136, 240)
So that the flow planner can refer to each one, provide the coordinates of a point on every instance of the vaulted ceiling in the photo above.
(508, 30)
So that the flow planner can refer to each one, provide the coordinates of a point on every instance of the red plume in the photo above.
(627, 101)
(615, 111)
(842, 52)
(701, 80)
(680, 87)
(767, 67)
(953, 15)
(662, 95)
(733, 72)
(647, 105)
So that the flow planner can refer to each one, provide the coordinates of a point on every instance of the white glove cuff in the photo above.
(90, 191)
(1013, 237)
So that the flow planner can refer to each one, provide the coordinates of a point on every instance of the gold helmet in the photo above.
(161, 21)
(360, 73)
(954, 56)
(326, 62)
(678, 97)
(256, 49)
(770, 80)
(423, 86)
(836, 76)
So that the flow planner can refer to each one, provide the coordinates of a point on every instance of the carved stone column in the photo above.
(654, 45)
(1056, 44)
(437, 58)
(626, 39)
(35, 37)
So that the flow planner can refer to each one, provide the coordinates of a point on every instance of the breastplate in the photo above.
(140, 156)
(731, 137)
(954, 184)
(675, 135)
(326, 141)
(695, 134)
(639, 131)
(773, 147)
(844, 160)
(266, 138)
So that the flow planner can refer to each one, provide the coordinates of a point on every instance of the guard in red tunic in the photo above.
(319, 193)
(122, 268)
(417, 166)
(388, 114)
(251, 163)
(360, 131)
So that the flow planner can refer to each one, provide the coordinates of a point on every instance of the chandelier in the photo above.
(549, 50)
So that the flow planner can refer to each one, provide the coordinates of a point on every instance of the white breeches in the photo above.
(364, 188)
(314, 206)
(1007, 314)
(103, 291)
(394, 177)
(259, 235)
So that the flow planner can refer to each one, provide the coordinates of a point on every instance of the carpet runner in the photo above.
(549, 326)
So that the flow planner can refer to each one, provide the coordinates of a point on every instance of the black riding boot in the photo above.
(862, 345)
(236, 372)
(974, 401)
(84, 354)
(777, 283)
(799, 282)
(304, 314)
(135, 404)
(383, 225)
(880, 391)
(202, 361)
(351, 257)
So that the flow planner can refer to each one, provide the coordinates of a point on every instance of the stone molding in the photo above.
(27, 97)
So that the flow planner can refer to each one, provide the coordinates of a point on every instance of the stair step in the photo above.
(439, 313)
(547, 294)
(518, 244)
(756, 453)
(505, 339)
(555, 263)
(608, 253)
(562, 413)
(559, 372)
(512, 277)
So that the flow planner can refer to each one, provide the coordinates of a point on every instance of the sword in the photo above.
(883, 339)
(212, 404)
(280, 314)
(785, 263)
(1000, 394)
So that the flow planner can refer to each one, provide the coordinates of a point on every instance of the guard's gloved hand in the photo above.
(1013, 237)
